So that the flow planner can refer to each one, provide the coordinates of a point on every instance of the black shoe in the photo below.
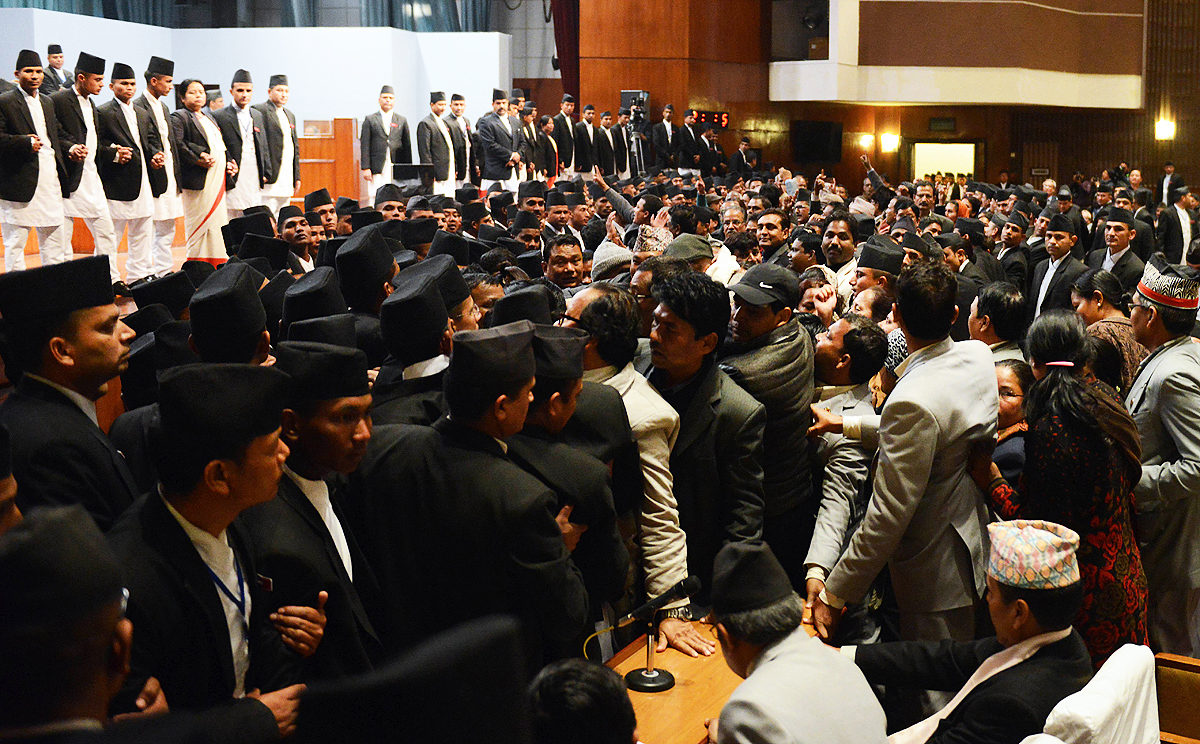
(143, 280)
(120, 289)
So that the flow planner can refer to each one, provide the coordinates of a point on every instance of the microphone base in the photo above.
(639, 680)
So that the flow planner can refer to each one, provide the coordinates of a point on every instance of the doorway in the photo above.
(944, 157)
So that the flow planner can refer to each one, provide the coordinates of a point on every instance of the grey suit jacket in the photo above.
(764, 709)
(844, 464)
(927, 519)
(1164, 401)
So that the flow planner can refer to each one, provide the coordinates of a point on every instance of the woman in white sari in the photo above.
(203, 164)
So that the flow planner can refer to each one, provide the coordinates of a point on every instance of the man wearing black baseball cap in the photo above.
(771, 358)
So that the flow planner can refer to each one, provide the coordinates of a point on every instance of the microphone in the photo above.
(685, 588)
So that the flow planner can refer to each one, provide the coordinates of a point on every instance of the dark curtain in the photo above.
(298, 13)
(153, 12)
(412, 15)
(476, 15)
(566, 38)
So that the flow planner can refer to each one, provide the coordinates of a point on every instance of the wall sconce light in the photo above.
(889, 142)
(1164, 130)
(867, 141)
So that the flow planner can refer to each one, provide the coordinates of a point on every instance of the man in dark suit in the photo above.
(383, 141)
(665, 137)
(1078, 226)
(1036, 658)
(1176, 226)
(466, 163)
(955, 252)
(605, 147)
(621, 144)
(416, 331)
(585, 142)
(528, 144)
(1050, 286)
(1168, 183)
(168, 205)
(132, 154)
(742, 161)
(281, 162)
(689, 152)
(1143, 239)
(365, 265)
(420, 482)
(717, 458)
(32, 168)
(581, 483)
(66, 343)
(712, 159)
(57, 78)
(244, 132)
(435, 145)
(77, 131)
(1118, 256)
(1013, 250)
(302, 541)
(194, 589)
(498, 141)
(564, 134)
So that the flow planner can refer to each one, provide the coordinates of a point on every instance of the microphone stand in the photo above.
(650, 679)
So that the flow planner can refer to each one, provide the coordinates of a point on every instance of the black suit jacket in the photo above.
(192, 143)
(293, 548)
(1004, 708)
(738, 164)
(60, 457)
(975, 274)
(464, 161)
(375, 137)
(585, 147)
(231, 133)
(130, 434)
(182, 638)
(600, 428)
(989, 266)
(528, 147)
(158, 178)
(604, 153)
(689, 152)
(1170, 235)
(965, 294)
(1143, 240)
(272, 162)
(1128, 268)
(72, 130)
(123, 182)
(432, 148)
(582, 482)
(717, 469)
(564, 136)
(420, 484)
(664, 152)
(1176, 181)
(545, 155)
(1058, 294)
(394, 400)
(620, 137)
(1016, 267)
(496, 145)
(18, 161)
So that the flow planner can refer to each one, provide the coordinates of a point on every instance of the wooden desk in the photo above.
(702, 685)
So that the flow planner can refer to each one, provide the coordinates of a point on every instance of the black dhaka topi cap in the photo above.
(413, 318)
(558, 352)
(494, 357)
(221, 402)
(55, 289)
(747, 576)
(322, 371)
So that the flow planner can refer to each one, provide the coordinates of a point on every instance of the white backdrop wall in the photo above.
(332, 72)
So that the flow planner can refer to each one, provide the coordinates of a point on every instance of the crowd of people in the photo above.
(951, 428)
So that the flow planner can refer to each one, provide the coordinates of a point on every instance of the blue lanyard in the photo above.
(238, 601)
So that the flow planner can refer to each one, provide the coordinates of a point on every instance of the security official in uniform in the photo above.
(78, 131)
(302, 542)
(57, 78)
(168, 204)
(564, 136)
(418, 336)
(244, 131)
(498, 144)
(456, 478)
(194, 592)
(132, 163)
(435, 145)
(281, 161)
(65, 343)
(365, 266)
(384, 141)
(586, 513)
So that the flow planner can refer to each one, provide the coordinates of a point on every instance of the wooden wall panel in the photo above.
(330, 161)
(547, 93)
(650, 29)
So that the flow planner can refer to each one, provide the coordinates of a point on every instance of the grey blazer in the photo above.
(1164, 401)
(927, 519)
(844, 464)
(765, 707)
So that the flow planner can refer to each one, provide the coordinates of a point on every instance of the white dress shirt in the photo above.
(317, 492)
(45, 209)
(143, 205)
(219, 557)
(1110, 258)
(87, 201)
(427, 368)
(169, 204)
(1185, 224)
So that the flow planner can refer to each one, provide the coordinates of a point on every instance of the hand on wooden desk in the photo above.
(711, 724)
(682, 635)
